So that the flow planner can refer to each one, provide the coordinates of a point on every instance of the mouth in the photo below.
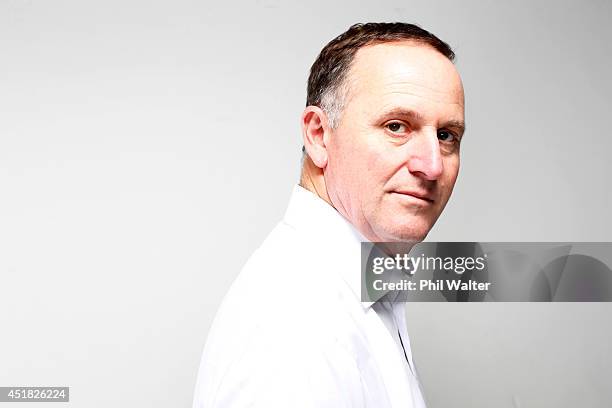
(416, 196)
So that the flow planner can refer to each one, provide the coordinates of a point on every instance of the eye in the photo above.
(396, 127)
(446, 136)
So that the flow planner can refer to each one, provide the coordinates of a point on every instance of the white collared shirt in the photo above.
(292, 331)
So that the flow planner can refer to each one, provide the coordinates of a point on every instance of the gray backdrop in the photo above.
(147, 148)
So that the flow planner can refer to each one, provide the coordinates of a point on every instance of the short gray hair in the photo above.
(327, 86)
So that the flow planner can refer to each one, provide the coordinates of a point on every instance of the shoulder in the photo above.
(284, 321)
(285, 287)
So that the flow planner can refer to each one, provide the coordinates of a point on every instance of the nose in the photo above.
(425, 159)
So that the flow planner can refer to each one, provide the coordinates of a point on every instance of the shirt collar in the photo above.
(331, 234)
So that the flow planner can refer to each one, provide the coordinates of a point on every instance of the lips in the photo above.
(421, 195)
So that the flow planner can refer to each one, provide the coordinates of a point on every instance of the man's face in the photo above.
(394, 157)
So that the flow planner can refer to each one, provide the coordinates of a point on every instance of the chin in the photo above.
(410, 232)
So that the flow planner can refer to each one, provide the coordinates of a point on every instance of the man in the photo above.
(381, 133)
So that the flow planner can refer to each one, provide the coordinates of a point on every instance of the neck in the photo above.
(312, 179)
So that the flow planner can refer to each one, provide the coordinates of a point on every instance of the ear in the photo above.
(316, 133)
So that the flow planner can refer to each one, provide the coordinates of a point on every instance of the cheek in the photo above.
(379, 167)
(345, 173)
(387, 164)
(362, 164)
(355, 158)
(451, 170)
(454, 168)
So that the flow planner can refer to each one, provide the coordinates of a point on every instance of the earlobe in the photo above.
(314, 129)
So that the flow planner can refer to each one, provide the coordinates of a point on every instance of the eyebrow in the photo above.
(408, 113)
(404, 113)
(458, 124)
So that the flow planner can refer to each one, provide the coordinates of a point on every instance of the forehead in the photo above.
(405, 74)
